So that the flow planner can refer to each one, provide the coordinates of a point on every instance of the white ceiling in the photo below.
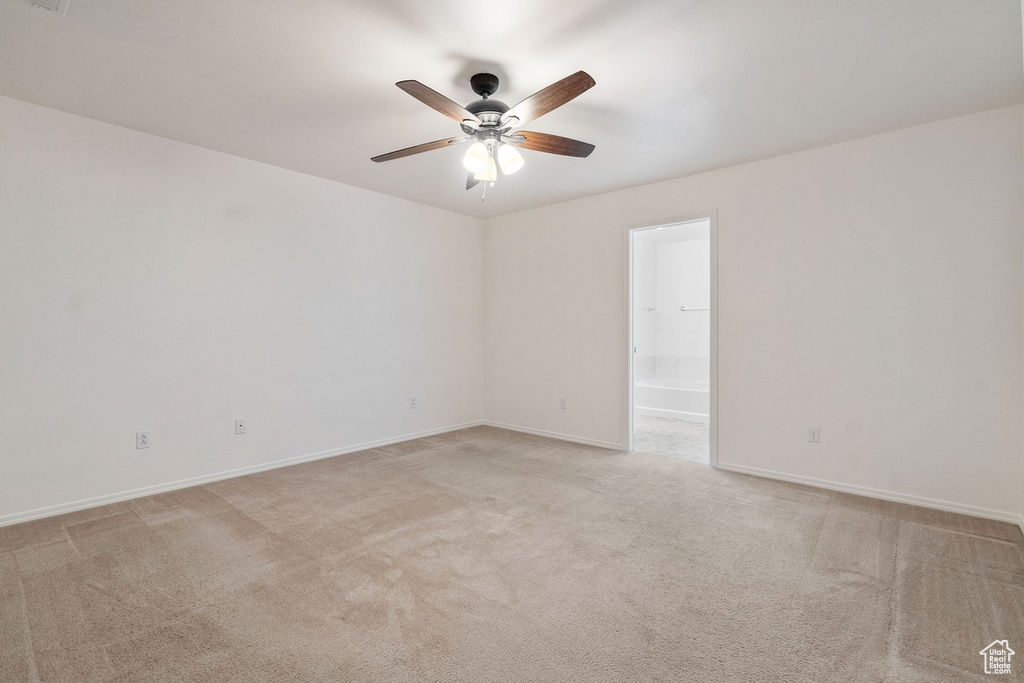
(682, 85)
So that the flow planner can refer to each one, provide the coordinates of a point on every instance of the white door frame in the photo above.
(712, 218)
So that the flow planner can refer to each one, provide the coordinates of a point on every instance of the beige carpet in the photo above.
(486, 555)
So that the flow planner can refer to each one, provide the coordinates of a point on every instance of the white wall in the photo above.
(872, 288)
(150, 285)
(684, 280)
(671, 268)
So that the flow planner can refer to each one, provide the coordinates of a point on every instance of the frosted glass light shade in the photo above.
(490, 171)
(510, 159)
(475, 160)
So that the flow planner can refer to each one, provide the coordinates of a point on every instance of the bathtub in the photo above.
(676, 399)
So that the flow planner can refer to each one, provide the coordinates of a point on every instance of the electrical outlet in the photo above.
(412, 404)
(239, 426)
(142, 440)
(814, 434)
(561, 403)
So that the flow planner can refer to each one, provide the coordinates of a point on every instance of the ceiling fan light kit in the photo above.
(489, 124)
(490, 172)
(509, 159)
(476, 157)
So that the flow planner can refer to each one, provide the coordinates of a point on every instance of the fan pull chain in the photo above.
(490, 165)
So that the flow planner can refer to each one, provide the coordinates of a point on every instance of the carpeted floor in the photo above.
(486, 555)
(674, 438)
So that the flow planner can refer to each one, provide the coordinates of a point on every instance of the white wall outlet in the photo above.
(412, 403)
(142, 440)
(814, 434)
(562, 403)
(239, 426)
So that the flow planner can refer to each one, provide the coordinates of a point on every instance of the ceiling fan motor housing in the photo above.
(487, 110)
(484, 85)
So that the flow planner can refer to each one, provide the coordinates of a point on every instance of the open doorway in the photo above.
(671, 332)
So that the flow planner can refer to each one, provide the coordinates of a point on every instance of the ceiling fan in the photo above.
(491, 123)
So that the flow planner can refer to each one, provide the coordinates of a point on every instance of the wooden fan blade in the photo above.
(551, 97)
(436, 100)
(471, 181)
(552, 144)
(425, 147)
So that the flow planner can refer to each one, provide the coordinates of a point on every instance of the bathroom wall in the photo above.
(671, 268)
(645, 303)
(684, 279)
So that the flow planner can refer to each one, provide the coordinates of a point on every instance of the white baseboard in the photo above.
(53, 510)
(557, 435)
(64, 508)
(972, 510)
